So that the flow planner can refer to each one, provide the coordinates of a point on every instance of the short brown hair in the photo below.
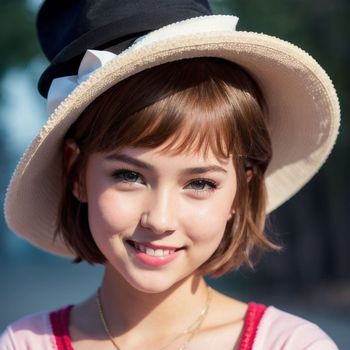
(209, 102)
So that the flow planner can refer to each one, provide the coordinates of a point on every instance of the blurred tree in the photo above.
(18, 46)
(17, 35)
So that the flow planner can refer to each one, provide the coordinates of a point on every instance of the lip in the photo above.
(152, 261)
(156, 246)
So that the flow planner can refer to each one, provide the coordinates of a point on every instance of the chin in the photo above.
(153, 281)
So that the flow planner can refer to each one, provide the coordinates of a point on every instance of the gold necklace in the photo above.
(190, 331)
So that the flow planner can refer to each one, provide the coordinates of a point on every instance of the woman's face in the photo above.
(158, 217)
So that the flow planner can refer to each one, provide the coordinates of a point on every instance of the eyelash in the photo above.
(118, 175)
(212, 186)
(120, 172)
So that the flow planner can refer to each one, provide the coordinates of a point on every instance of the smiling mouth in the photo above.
(152, 250)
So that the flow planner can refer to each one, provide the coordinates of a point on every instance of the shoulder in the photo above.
(30, 332)
(281, 330)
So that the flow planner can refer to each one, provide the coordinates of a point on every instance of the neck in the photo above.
(126, 308)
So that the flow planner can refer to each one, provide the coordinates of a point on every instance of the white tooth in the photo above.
(166, 252)
(159, 252)
(142, 248)
(150, 251)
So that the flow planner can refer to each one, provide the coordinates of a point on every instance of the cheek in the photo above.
(111, 212)
(209, 219)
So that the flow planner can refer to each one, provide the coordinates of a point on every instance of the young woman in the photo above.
(171, 136)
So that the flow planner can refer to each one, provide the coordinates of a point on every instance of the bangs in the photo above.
(187, 121)
(193, 105)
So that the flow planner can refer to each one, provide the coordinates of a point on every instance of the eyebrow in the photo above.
(202, 170)
(140, 164)
(130, 160)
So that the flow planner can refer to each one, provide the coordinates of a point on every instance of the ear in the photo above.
(249, 175)
(70, 155)
(231, 213)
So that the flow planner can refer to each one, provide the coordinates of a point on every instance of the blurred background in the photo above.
(310, 277)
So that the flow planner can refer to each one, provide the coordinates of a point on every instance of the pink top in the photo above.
(265, 328)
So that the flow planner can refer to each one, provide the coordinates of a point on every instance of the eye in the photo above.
(202, 185)
(128, 176)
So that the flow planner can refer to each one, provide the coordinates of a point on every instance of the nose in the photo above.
(159, 213)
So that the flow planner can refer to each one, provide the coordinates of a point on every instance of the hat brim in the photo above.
(304, 118)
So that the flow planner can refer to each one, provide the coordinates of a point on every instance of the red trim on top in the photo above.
(251, 322)
(60, 322)
(60, 326)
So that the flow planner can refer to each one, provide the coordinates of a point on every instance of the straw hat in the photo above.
(123, 38)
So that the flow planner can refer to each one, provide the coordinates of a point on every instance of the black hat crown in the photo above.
(67, 28)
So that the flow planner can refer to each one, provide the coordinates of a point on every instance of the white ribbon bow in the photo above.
(94, 59)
